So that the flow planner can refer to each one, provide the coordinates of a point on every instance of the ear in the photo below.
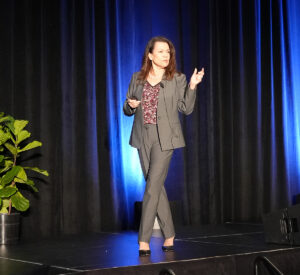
(150, 56)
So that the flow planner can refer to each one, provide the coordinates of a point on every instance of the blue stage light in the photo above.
(291, 94)
(122, 53)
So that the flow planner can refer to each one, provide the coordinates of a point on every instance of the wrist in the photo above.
(192, 86)
(129, 104)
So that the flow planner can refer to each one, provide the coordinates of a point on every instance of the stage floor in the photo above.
(205, 248)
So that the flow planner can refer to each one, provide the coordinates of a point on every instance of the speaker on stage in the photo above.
(282, 226)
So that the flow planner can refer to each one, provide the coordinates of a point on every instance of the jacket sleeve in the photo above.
(128, 111)
(186, 96)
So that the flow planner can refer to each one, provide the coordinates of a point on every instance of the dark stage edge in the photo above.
(220, 249)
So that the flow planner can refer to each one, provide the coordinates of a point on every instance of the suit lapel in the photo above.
(139, 91)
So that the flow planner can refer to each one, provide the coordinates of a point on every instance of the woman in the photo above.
(155, 95)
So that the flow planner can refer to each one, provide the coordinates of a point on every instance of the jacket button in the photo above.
(158, 117)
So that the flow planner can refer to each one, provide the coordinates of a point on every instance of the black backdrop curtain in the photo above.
(46, 58)
(53, 72)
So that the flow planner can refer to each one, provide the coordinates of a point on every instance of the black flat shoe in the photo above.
(168, 248)
(144, 253)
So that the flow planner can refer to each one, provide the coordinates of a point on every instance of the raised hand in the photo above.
(196, 78)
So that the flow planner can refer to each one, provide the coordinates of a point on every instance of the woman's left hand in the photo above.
(196, 78)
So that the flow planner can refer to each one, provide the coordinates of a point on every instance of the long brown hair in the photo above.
(147, 64)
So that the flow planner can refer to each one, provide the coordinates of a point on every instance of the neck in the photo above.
(157, 71)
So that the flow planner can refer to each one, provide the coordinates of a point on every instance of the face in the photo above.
(160, 55)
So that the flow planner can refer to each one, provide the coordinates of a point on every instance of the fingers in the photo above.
(202, 71)
(198, 73)
(133, 103)
(133, 100)
(196, 77)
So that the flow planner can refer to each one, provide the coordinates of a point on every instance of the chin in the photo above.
(162, 66)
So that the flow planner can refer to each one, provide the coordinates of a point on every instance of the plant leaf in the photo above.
(19, 202)
(19, 126)
(11, 148)
(6, 118)
(22, 136)
(4, 206)
(7, 191)
(3, 137)
(10, 126)
(36, 169)
(31, 145)
(1, 158)
(21, 177)
(7, 165)
(32, 185)
(10, 175)
(12, 138)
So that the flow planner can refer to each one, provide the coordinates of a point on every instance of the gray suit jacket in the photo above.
(174, 95)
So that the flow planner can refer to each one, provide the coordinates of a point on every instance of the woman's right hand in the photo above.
(133, 103)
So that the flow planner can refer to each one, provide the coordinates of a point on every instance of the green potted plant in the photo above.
(14, 177)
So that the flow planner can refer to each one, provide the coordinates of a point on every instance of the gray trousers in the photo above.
(155, 165)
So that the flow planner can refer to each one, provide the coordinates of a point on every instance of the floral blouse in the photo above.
(149, 102)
